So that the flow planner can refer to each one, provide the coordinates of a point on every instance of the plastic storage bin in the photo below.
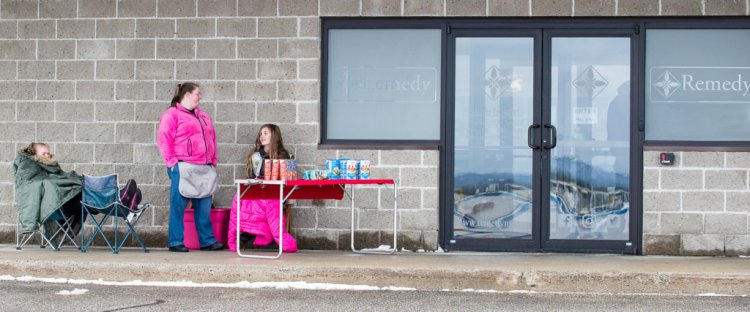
(219, 223)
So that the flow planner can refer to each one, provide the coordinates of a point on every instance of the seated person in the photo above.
(42, 188)
(259, 222)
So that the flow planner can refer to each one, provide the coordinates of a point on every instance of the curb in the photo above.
(420, 279)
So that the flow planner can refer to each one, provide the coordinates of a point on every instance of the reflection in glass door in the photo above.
(538, 140)
(589, 182)
(494, 106)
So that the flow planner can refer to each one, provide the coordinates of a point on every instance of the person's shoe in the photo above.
(214, 246)
(178, 248)
(246, 238)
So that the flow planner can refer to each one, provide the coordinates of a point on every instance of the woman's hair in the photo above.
(31, 149)
(275, 151)
(181, 90)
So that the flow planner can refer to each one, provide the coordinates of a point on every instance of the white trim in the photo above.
(617, 4)
(659, 8)
(572, 8)
(531, 13)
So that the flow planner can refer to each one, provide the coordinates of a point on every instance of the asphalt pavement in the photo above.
(532, 272)
(17, 297)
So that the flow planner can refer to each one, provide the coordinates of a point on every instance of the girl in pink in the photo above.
(259, 221)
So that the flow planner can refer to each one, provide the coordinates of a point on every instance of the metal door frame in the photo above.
(487, 244)
(613, 246)
(540, 241)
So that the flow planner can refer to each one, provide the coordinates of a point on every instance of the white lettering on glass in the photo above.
(700, 84)
(403, 85)
(385, 84)
(689, 82)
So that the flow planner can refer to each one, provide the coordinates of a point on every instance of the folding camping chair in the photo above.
(101, 202)
(58, 222)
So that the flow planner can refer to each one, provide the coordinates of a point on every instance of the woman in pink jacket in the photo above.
(259, 221)
(186, 134)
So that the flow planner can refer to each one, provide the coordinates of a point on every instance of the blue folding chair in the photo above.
(101, 202)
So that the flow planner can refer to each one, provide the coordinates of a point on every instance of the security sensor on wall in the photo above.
(666, 158)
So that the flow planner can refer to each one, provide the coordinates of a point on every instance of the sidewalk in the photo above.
(425, 271)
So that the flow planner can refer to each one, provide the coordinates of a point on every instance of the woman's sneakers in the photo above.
(214, 246)
(178, 248)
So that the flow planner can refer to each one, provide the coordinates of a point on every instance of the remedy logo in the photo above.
(666, 84)
(699, 84)
(384, 84)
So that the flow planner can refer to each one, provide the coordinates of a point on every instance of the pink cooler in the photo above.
(219, 223)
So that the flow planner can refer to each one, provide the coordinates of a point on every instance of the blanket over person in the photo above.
(42, 187)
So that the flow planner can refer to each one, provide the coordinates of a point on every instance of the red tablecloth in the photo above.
(304, 189)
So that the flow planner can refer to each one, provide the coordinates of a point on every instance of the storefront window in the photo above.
(382, 85)
(697, 85)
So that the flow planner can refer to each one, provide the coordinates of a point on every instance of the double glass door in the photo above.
(539, 138)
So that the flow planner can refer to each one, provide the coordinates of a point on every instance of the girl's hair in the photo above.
(31, 149)
(181, 90)
(275, 151)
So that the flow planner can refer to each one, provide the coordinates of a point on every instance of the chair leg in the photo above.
(65, 230)
(131, 219)
(97, 230)
(23, 239)
(55, 235)
(18, 230)
(44, 241)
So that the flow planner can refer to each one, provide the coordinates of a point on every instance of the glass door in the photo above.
(539, 138)
(588, 142)
(493, 166)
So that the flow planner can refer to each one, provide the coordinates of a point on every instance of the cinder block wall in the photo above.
(92, 77)
(698, 206)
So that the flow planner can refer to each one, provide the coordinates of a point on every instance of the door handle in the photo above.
(530, 136)
(552, 137)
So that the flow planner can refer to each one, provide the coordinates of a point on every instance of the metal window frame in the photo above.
(374, 23)
(447, 24)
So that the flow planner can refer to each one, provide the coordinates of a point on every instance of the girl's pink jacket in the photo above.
(186, 137)
(259, 217)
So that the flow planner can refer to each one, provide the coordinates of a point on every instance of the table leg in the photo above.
(281, 220)
(395, 215)
(237, 222)
(351, 197)
(281, 228)
(395, 220)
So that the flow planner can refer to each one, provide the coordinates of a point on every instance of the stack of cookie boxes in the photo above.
(348, 169)
(280, 169)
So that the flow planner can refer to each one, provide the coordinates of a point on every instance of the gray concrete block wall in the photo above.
(698, 206)
(93, 76)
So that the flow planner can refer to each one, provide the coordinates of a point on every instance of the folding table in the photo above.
(307, 190)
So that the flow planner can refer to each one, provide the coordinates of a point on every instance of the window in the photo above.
(697, 85)
(381, 85)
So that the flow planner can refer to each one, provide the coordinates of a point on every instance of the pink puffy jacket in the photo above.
(259, 217)
(187, 137)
